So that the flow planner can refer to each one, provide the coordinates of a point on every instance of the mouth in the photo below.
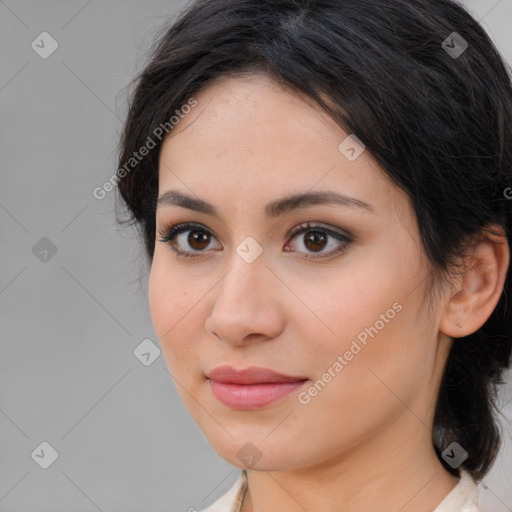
(251, 388)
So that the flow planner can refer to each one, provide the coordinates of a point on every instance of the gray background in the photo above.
(70, 321)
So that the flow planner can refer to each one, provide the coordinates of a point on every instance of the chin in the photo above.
(249, 449)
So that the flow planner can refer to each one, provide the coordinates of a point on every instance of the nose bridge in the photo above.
(243, 304)
(248, 270)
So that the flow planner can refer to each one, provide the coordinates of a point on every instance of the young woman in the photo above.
(323, 189)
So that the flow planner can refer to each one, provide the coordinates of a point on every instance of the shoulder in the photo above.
(231, 500)
(462, 498)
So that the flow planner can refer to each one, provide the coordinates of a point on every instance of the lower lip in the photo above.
(252, 396)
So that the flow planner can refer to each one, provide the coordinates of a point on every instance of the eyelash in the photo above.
(169, 233)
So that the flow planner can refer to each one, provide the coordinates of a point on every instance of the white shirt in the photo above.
(462, 498)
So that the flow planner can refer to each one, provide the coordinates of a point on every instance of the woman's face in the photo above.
(344, 317)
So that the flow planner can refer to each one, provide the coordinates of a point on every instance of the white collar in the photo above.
(462, 498)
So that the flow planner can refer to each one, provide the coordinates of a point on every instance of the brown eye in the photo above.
(198, 240)
(317, 238)
(315, 241)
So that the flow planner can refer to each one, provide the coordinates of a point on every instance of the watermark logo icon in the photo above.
(249, 455)
(454, 45)
(454, 455)
(45, 455)
(44, 250)
(147, 352)
(351, 148)
(249, 249)
(44, 45)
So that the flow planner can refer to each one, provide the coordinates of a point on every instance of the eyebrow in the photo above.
(273, 209)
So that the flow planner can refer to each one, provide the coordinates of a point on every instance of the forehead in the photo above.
(253, 109)
(251, 135)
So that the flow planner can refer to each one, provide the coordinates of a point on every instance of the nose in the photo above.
(247, 306)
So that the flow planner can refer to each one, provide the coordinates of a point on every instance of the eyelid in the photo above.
(311, 225)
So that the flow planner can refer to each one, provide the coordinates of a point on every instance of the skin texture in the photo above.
(364, 440)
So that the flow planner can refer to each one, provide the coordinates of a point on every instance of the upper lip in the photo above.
(252, 375)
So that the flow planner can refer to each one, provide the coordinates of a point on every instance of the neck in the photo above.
(396, 469)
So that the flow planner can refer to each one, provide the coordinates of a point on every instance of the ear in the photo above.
(476, 292)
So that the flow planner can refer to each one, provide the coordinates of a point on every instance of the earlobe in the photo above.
(477, 291)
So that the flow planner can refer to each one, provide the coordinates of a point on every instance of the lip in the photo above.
(251, 375)
(251, 388)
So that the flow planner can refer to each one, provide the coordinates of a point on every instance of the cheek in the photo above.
(173, 312)
(346, 307)
(369, 329)
(377, 366)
